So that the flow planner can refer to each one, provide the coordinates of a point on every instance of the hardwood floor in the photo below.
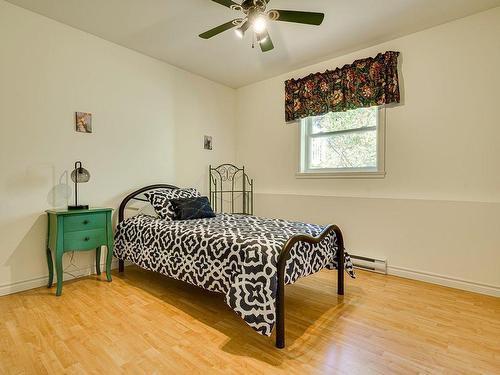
(144, 323)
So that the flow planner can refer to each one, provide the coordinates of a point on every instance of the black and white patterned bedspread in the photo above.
(231, 254)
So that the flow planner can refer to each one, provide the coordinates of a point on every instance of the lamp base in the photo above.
(79, 207)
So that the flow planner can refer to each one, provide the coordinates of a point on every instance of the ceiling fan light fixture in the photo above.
(240, 31)
(259, 24)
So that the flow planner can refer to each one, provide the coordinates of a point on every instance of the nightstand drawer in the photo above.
(85, 239)
(84, 222)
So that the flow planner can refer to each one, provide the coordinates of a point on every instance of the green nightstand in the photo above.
(78, 230)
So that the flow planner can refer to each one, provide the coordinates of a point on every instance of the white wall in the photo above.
(436, 215)
(149, 119)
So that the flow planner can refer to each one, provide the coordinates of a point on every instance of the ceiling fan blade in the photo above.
(217, 30)
(309, 18)
(265, 42)
(226, 3)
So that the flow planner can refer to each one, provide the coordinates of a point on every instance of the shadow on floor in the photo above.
(310, 312)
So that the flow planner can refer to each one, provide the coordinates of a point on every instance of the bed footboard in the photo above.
(282, 258)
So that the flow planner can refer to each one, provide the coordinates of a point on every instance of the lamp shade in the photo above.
(80, 175)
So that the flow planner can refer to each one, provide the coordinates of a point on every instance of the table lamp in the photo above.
(79, 175)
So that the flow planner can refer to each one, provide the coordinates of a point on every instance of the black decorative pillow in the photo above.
(192, 208)
(160, 200)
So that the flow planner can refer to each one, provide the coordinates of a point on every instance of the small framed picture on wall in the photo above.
(84, 122)
(207, 142)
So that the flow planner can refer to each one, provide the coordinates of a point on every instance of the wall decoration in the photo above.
(84, 122)
(207, 143)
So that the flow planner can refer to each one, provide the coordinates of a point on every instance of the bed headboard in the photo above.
(231, 185)
(138, 195)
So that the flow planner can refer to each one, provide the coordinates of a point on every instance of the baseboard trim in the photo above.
(433, 278)
(452, 282)
(38, 282)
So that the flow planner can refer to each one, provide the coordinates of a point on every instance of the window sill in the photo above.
(344, 175)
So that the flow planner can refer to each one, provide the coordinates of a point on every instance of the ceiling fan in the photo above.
(256, 16)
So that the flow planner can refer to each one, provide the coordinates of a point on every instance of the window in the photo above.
(343, 144)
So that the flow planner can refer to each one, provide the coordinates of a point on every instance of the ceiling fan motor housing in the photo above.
(253, 6)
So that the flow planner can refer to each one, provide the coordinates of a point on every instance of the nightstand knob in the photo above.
(86, 238)
(85, 222)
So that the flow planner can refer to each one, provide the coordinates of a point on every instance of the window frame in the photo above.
(304, 153)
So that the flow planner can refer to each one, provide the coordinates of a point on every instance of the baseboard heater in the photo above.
(369, 264)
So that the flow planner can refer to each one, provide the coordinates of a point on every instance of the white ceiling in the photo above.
(168, 30)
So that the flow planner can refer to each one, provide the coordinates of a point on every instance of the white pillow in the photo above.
(160, 200)
(148, 210)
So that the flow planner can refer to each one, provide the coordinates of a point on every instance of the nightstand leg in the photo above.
(59, 271)
(50, 264)
(98, 260)
(109, 246)
(109, 256)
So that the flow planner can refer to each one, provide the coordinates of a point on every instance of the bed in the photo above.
(247, 258)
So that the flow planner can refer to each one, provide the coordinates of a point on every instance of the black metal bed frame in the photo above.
(282, 258)
(230, 173)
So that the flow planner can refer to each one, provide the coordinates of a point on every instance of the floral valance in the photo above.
(364, 83)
